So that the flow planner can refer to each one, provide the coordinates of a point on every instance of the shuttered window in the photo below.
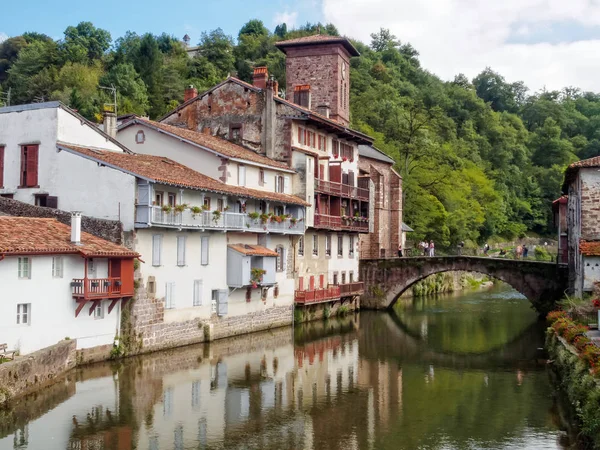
(57, 267)
(197, 292)
(280, 262)
(170, 295)
(1, 167)
(340, 245)
(29, 165)
(222, 302)
(204, 250)
(156, 250)
(242, 175)
(24, 268)
(181, 240)
(286, 184)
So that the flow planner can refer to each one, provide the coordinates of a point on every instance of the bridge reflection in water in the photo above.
(369, 381)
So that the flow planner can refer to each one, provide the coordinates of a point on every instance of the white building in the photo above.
(60, 283)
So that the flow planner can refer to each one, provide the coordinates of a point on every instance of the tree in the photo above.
(132, 92)
(281, 31)
(384, 40)
(253, 27)
(217, 48)
(84, 43)
(493, 88)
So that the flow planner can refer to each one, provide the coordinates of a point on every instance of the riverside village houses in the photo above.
(239, 205)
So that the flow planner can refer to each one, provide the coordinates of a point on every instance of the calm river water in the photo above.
(451, 372)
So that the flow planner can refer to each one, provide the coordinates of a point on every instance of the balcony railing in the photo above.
(339, 223)
(307, 297)
(225, 221)
(96, 288)
(341, 189)
(348, 289)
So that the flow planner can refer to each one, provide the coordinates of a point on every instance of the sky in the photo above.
(545, 43)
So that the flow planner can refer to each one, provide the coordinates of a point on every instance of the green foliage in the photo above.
(541, 254)
(298, 315)
(343, 311)
(326, 312)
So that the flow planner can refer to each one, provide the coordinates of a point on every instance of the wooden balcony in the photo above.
(308, 297)
(338, 223)
(341, 190)
(351, 289)
(98, 288)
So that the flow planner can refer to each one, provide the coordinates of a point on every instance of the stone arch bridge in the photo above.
(386, 279)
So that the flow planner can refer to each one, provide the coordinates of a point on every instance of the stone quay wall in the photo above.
(37, 370)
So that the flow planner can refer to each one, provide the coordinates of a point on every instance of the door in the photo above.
(321, 281)
(312, 283)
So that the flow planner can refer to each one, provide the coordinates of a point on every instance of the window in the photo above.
(300, 135)
(29, 165)
(278, 210)
(25, 268)
(181, 250)
(301, 246)
(335, 278)
(140, 137)
(280, 258)
(351, 247)
(220, 204)
(315, 244)
(207, 203)
(351, 276)
(322, 141)
(279, 184)
(204, 250)
(343, 277)
(172, 199)
(57, 267)
(1, 166)
(261, 177)
(156, 250)
(158, 198)
(340, 245)
(336, 148)
(197, 292)
(309, 164)
(24, 314)
(241, 175)
(235, 132)
(91, 269)
(328, 245)
(99, 311)
(170, 295)
(214, 295)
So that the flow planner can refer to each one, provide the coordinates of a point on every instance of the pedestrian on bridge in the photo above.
(400, 250)
(525, 251)
(425, 248)
(486, 249)
(431, 248)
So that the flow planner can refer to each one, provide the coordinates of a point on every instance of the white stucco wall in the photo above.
(343, 263)
(591, 272)
(73, 131)
(52, 313)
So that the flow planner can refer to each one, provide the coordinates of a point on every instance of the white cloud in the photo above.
(455, 36)
(3, 36)
(289, 18)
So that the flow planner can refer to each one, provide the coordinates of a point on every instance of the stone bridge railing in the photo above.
(386, 279)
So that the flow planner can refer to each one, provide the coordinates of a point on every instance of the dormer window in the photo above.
(140, 137)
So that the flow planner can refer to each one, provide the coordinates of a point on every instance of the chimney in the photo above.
(324, 110)
(276, 88)
(269, 119)
(189, 93)
(302, 95)
(76, 227)
(110, 124)
(260, 77)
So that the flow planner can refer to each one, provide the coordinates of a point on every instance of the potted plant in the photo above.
(264, 218)
(226, 208)
(167, 208)
(216, 215)
(180, 208)
(118, 283)
(293, 221)
(205, 207)
(254, 215)
(106, 283)
(344, 159)
(195, 211)
(95, 284)
(256, 276)
(76, 284)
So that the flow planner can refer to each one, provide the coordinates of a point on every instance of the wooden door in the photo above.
(312, 283)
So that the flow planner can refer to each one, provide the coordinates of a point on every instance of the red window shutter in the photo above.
(322, 281)
(1, 167)
(23, 164)
(32, 165)
(301, 283)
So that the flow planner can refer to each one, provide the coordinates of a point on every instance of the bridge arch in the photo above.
(385, 280)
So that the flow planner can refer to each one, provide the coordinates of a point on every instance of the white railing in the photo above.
(225, 221)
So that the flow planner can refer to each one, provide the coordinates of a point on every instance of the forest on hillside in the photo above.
(481, 159)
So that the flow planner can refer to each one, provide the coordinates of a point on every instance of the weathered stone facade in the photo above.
(111, 230)
(38, 369)
(383, 241)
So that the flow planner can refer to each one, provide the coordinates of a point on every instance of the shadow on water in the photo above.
(368, 381)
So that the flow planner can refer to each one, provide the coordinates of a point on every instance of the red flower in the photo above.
(596, 303)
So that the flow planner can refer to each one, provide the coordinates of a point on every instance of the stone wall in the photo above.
(111, 230)
(36, 370)
(94, 354)
(590, 204)
(319, 310)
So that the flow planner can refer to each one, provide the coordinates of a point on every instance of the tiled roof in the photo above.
(214, 143)
(561, 199)
(316, 40)
(164, 170)
(571, 172)
(27, 235)
(589, 248)
(252, 250)
(368, 151)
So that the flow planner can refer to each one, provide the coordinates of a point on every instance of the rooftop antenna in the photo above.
(112, 89)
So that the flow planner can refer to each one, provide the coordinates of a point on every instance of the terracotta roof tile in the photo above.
(252, 250)
(589, 248)
(316, 40)
(561, 199)
(27, 235)
(590, 162)
(217, 144)
(167, 171)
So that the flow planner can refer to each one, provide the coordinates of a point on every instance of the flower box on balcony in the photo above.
(118, 283)
(95, 284)
(107, 284)
(76, 284)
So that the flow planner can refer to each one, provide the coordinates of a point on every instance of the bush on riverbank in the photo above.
(579, 368)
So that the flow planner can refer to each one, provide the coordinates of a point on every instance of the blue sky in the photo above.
(156, 16)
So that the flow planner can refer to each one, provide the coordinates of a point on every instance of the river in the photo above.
(449, 372)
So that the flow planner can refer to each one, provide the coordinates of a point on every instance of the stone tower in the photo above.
(318, 74)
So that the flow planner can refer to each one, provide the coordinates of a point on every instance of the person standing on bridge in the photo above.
(525, 251)
(431, 248)
(400, 250)
(486, 249)
(425, 248)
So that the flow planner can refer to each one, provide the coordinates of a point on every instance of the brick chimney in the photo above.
(302, 95)
(110, 124)
(324, 110)
(260, 77)
(190, 92)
